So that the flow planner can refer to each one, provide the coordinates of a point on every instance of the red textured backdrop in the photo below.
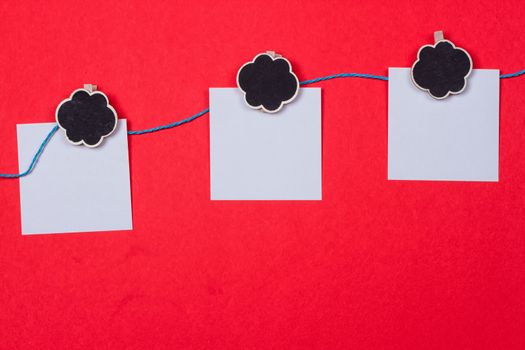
(375, 265)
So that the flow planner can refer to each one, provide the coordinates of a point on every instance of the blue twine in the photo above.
(35, 157)
(512, 75)
(171, 125)
(205, 111)
(344, 75)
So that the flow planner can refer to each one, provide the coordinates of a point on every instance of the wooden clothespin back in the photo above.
(90, 88)
(273, 54)
(438, 36)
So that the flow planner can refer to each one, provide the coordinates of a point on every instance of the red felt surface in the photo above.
(375, 265)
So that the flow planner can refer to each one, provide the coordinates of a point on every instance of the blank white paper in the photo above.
(455, 139)
(261, 156)
(74, 188)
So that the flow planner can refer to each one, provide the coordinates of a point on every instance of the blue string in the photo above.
(344, 75)
(35, 157)
(205, 111)
(171, 125)
(512, 75)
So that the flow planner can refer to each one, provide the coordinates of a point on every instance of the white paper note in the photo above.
(261, 156)
(454, 139)
(74, 188)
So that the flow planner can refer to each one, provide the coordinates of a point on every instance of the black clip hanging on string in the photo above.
(441, 69)
(86, 117)
(268, 82)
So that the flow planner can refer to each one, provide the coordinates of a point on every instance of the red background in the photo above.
(376, 264)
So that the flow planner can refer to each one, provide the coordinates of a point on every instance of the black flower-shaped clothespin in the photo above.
(441, 69)
(268, 82)
(86, 117)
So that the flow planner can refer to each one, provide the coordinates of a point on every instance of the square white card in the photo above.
(455, 139)
(261, 156)
(74, 188)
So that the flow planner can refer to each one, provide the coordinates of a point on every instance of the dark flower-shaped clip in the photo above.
(86, 117)
(441, 69)
(268, 82)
